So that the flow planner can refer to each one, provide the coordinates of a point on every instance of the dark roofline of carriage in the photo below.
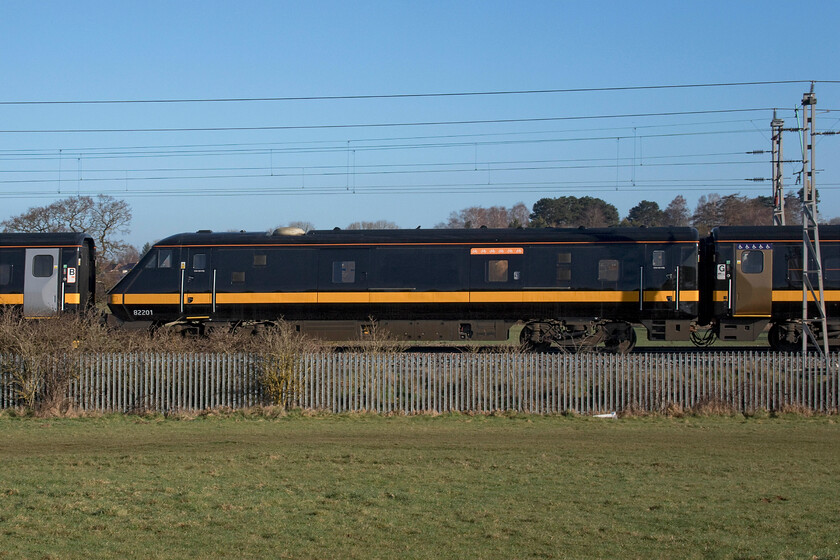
(771, 233)
(68, 239)
(432, 236)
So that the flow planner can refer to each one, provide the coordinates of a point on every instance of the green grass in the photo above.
(420, 487)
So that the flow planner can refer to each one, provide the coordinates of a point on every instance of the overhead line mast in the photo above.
(811, 256)
(778, 186)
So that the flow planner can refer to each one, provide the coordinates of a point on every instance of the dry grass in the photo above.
(40, 358)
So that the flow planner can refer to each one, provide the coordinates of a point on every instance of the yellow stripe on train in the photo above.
(267, 298)
(11, 299)
(784, 295)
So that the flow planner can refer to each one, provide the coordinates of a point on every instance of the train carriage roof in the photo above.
(436, 236)
(61, 239)
(769, 233)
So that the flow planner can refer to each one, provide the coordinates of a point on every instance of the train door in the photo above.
(753, 280)
(197, 283)
(40, 287)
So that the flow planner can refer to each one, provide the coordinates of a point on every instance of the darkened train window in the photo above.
(199, 261)
(658, 260)
(564, 268)
(794, 270)
(237, 277)
(162, 258)
(343, 272)
(5, 274)
(497, 270)
(260, 260)
(608, 270)
(752, 262)
(42, 266)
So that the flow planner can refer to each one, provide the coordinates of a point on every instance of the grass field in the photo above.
(420, 487)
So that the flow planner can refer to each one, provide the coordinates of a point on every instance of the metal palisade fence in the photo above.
(428, 383)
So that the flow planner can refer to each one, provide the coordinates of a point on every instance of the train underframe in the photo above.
(784, 334)
(539, 335)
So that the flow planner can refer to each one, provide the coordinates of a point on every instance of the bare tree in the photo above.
(304, 225)
(707, 214)
(519, 216)
(104, 218)
(676, 213)
(378, 224)
(492, 217)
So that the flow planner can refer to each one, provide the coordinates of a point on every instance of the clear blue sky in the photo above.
(411, 174)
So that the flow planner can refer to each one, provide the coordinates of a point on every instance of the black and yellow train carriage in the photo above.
(564, 286)
(752, 278)
(43, 274)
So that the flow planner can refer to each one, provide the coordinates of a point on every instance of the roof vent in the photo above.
(288, 231)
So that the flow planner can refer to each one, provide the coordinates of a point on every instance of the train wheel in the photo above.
(529, 344)
(785, 337)
(621, 338)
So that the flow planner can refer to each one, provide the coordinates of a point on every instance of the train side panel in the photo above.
(45, 274)
(753, 278)
(447, 280)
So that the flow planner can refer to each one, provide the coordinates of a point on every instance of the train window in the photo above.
(199, 261)
(564, 275)
(5, 274)
(608, 270)
(497, 270)
(165, 258)
(237, 277)
(260, 260)
(752, 262)
(42, 266)
(343, 272)
(564, 269)
(160, 259)
(794, 270)
(658, 260)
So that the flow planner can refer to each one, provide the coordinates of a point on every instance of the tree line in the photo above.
(712, 210)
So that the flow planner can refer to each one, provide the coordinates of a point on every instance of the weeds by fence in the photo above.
(418, 383)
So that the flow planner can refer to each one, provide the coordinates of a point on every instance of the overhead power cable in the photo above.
(284, 145)
(377, 125)
(357, 173)
(342, 147)
(407, 95)
(486, 164)
(520, 187)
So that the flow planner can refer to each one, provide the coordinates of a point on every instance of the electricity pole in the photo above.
(778, 188)
(811, 258)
